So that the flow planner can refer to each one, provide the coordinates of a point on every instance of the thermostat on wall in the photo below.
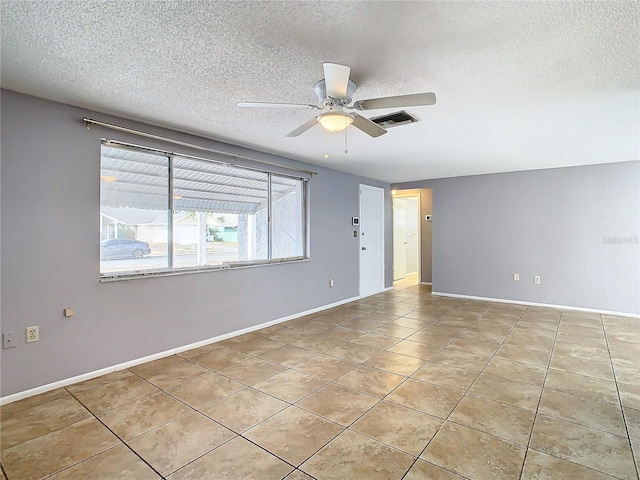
(355, 220)
(428, 217)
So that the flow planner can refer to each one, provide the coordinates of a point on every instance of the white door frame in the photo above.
(414, 194)
(366, 267)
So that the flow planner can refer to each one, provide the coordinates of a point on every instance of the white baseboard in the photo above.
(534, 304)
(425, 283)
(132, 363)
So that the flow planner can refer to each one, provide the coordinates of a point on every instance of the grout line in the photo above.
(535, 417)
(624, 416)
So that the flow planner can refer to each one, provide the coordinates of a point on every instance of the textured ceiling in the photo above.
(520, 85)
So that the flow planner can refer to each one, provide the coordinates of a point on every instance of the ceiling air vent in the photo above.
(394, 119)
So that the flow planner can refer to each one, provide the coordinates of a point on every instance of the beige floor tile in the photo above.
(407, 322)
(499, 419)
(422, 470)
(635, 445)
(244, 409)
(375, 340)
(361, 325)
(403, 428)
(425, 336)
(55, 451)
(462, 359)
(396, 310)
(370, 380)
(394, 331)
(352, 456)
(293, 434)
(342, 333)
(582, 366)
(590, 342)
(290, 335)
(298, 475)
(426, 397)
(290, 385)
(96, 382)
(579, 351)
(630, 395)
(517, 354)
(40, 420)
(419, 350)
(204, 390)
(446, 375)
(589, 387)
(174, 373)
(220, 359)
(140, 416)
(507, 391)
(474, 454)
(234, 460)
(540, 466)
(179, 442)
(483, 334)
(256, 345)
(319, 343)
(380, 317)
(325, 367)
(632, 418)
(19, 405)
(591, 448)
(338, 404)
(395, 363)
(630, 376)
(155, 366)
(516, 371)
(114, 394)
(311, 327)
(194, 352)
(289, 355)
(474, 346)
(252, 371)
(352, 352)
(117, 463)
(598, 415)
(239, 338)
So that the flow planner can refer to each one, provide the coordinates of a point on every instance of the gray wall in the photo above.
(49, 256)
(576, 227)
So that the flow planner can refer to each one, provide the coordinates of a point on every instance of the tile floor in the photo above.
(401, 385)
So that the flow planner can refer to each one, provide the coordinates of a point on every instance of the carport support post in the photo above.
(202, 238)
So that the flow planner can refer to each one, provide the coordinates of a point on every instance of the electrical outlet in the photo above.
(8, 339)
(330, 282)
(516, 277)
(33, 334)
(536, 279)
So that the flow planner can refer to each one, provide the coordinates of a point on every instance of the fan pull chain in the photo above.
(346, 148)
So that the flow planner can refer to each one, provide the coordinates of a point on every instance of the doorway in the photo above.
(406, 239)
(371, 240)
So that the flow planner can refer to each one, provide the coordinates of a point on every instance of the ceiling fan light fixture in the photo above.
(335, 121)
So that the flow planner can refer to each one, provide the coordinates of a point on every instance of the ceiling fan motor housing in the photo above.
(325, 101)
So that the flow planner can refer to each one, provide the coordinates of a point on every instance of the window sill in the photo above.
(115, 277)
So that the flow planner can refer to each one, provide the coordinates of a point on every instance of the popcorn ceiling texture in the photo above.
(520, 85)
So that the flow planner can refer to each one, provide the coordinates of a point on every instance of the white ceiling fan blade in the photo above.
(399, 101)
(278, 105)
(367, 126)
(303, 128)
(336, 79)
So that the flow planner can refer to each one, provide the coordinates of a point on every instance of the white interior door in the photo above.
(371, 240)
(399, 239)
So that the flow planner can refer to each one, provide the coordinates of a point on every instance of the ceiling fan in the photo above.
(335, 94)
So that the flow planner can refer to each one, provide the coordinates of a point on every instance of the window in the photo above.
(163, 212)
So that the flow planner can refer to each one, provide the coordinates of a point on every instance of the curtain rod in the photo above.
(89, 121)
